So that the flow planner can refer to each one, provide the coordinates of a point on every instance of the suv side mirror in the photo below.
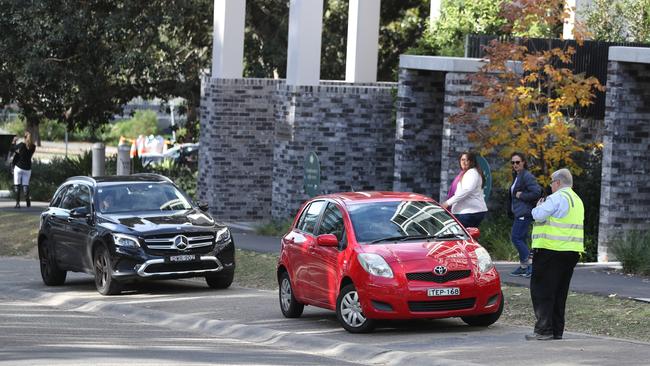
(79, 212)
(474, 232)
(203, 206)
(327, 240)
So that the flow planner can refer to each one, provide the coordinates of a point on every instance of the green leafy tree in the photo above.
(619, 20)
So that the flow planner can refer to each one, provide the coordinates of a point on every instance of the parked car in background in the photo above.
(385, 255)
(123, 229)
(183, 154)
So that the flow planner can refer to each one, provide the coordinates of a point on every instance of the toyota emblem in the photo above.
(440, 270)
(181, 242)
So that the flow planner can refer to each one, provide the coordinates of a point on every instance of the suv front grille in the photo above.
(431, 277)
(164, 243)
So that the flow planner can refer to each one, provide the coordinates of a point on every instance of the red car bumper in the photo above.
(398, 298)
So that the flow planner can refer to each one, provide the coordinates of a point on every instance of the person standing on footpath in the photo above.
(524, 192)
(468, 203)
(558, 240)
(22, 162)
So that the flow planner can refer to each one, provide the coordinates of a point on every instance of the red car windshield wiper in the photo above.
(402, 238)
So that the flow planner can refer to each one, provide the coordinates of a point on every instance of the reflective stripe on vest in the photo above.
(562, 234)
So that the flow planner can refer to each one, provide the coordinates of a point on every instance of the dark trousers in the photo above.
(549, 287)
(472, 219)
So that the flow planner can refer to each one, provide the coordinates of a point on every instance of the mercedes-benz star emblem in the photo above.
(440, 270)
(181, 242)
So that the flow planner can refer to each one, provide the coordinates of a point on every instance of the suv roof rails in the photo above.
(153, 175)
(83, 178)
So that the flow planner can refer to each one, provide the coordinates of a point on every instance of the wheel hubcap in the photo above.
(285, 294)
(351, 310)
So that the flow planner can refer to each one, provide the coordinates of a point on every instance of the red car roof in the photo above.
(354, 197)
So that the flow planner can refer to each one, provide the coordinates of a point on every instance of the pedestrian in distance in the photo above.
(467, 202)
(558, 240)
(524, 193)
(22, 166)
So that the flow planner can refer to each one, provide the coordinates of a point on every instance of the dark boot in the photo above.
(17, 192)
(28, 201)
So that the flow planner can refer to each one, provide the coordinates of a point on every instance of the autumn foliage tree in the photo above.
(533, 96)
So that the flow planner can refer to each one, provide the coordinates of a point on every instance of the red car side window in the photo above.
(310, 217)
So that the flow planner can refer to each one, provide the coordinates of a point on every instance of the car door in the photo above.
(298, 245)
(325, 260)
(66, 238)
(54, 224)
(79, 229)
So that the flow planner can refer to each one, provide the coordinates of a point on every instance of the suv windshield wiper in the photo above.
(402, 238)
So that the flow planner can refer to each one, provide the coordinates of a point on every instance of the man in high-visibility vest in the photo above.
(558, 235)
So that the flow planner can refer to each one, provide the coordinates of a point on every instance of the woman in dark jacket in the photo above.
(524, 193)
(22, 162)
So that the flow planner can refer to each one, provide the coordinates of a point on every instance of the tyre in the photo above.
(349, 313)
(484, 320)
(104, 281)
(50, 272)
(220, 281)
(290, 306)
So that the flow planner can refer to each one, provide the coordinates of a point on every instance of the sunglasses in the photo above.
(515, 162)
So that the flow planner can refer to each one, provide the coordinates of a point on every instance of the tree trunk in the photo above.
(32, 127)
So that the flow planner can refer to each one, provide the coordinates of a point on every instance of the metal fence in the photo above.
(590, 58)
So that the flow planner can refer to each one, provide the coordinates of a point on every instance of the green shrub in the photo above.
(143, 123)
(495, 237)
(274, 227)
(633, 250)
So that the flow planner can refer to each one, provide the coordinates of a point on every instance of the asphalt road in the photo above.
(238, 318)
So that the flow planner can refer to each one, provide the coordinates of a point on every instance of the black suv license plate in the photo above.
(182, 258)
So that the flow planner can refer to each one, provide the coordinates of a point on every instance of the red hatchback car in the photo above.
(386, 255)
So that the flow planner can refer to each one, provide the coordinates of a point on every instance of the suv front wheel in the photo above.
(219, 281)
(104, 281)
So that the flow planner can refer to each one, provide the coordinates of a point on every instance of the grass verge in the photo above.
(18, 233)
(588, 314)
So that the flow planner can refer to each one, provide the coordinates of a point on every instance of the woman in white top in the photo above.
(467, 203)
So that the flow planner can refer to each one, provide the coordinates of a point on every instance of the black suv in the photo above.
(126, 228)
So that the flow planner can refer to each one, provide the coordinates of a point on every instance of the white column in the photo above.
(576, 9)
(228, 38)
(363, 38)
(303, 54)
(436, 7)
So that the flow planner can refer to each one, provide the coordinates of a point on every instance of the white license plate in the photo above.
(181, 258)
(448, 291)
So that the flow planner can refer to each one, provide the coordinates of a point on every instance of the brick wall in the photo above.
(418, 138)
(236, 155)
(350, 127)
(625, 189)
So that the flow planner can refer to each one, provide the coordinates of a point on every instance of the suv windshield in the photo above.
(399, 221)
(140, 196)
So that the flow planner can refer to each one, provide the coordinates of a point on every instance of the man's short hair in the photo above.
(563, 176)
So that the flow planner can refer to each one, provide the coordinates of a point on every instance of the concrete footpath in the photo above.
(604, 279)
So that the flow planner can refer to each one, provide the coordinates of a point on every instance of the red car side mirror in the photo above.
(474, 232)
(327, 240)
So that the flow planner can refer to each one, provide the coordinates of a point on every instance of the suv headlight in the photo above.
(375, 265)
(125, 241)
(483, 260)
(222, 238)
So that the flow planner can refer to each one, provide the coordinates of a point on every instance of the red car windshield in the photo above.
(397, 221)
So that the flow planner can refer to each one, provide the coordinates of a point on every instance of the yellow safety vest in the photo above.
(565, 234)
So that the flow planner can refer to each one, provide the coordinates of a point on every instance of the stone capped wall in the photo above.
(236, 155)
(350, 127)
(625, 189)
(418, 139)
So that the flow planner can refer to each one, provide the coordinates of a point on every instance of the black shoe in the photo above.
(17, 205)
(538, 337)
(557, 337)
